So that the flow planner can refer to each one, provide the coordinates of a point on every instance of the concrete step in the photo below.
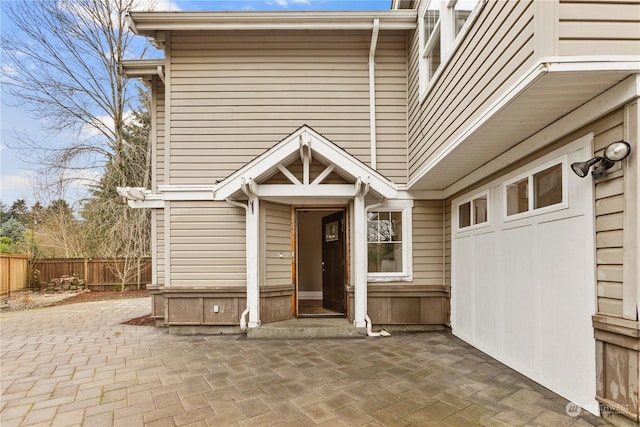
(306, 328)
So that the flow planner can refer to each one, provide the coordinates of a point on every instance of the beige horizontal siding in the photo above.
(495, 52)
(427, 242)
(277, 230)
(207, 244)
(234, 97)
(609, 207)
(158, 217)
(599, 28)
(158, 177)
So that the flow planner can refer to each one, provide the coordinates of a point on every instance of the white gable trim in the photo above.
(306, 144)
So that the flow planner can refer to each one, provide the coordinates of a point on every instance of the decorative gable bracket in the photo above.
(308, 145)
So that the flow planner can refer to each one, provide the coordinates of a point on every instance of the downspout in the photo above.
(372, 91)
(243, 316)
(367, 319)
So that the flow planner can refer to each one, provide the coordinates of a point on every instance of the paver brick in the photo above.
(97, 371)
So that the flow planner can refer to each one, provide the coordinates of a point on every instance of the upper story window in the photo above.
(441, 23)
(389, 241)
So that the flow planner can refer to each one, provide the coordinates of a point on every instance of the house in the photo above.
(438, 164)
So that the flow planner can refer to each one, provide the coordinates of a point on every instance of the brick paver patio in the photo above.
(77, 365)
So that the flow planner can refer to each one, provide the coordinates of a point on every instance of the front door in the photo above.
(333, 262)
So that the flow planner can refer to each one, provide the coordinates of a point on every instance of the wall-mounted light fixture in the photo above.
(615, 152)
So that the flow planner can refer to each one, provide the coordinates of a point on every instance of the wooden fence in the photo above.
(14, 273)
(95, 271)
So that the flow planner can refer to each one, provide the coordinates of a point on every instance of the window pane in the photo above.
(396, 221)
(385, 227)
(431, 17)
(464, 215)
(372, 226)
(480, 210)
(547, 187)
(434, 57)
(461, 12)
(384, 257)
(518, 197)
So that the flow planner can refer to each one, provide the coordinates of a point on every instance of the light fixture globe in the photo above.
(617, 151)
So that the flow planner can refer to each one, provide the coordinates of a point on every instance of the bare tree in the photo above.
(61, 61)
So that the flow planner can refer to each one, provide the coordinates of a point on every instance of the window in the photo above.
(384, 242)
(541, 190)
(474, 211)
(441, 24)
(388, 241)
(547, 187)
(461, 13)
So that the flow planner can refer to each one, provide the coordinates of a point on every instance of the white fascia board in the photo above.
(322, 190)
(148, 23)
(629, 63)
(141, 68)
(545, 65)
(528, 79)
(186, 192)
(608, 101)
(146, 204)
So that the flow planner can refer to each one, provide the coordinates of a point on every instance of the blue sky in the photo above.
(17, 176)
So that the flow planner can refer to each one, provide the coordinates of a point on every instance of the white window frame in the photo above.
(470, 199)
(530, 191)
(449, 42)
(406, 207)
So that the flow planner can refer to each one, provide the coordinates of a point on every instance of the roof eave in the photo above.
(148, 23)
(142, 68)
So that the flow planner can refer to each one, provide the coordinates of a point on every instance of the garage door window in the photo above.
(541, 190)
(474, 212)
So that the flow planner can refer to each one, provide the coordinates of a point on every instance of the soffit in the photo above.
(150, 23)
(551, 96)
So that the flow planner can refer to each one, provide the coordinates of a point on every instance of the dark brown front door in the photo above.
(333, 262)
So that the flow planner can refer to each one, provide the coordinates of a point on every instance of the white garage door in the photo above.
(523, 273)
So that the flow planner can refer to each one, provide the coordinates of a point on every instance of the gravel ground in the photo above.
(25, 300)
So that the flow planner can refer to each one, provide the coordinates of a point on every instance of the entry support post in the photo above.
(252, 252)
(360, 255)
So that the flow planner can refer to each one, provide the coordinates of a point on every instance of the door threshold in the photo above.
(338, 315)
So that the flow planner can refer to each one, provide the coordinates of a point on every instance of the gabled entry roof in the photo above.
(308, 145)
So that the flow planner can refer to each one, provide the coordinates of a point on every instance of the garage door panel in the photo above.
(523, 289)
(464, 276)
(488, 295)
(564, 292)
(515, 276)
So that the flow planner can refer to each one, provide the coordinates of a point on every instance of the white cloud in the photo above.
(14, 187)
(159, 5)
(102, 122)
